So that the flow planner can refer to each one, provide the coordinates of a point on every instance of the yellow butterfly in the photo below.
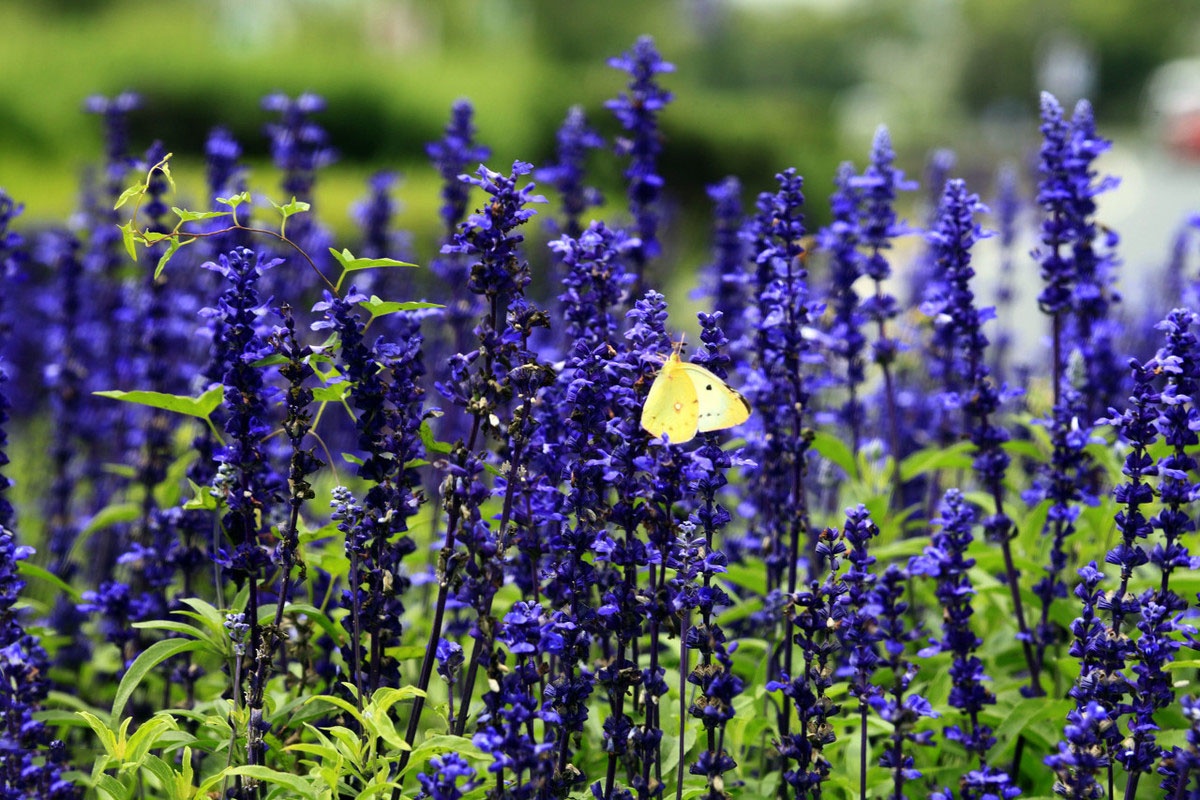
(686, 398)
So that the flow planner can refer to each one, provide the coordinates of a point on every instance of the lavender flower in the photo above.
(817, 615)
(1180, 766)
(898, 706)
(1008, 211)
(841, 239)
(858, 632)
(714, 675)
(1153, 689)
(1178, 419)
(65, 376)
(952, 239)
(778, 390)
(946, 562)
(1096, 330)
(244, 479)
(1082, 754)
(115, 112)
(451, 156)
(728, 280)
(638, 113)
(300, 149)
(10, 254)
(444, 783)
(879, 226)
(924, 277)
(31, 762)
(375, 214)
(1066, 485)
(387, 422)
(575, 138)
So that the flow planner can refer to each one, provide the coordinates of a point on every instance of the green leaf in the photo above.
(202, 499)
(161, 770)
(386, 697)
(146, 661)
(165, 168)
(129, 239)
(747, 577)
(350, 263)
(129, 194)
(405, 652)
(957, 456)
(31, 570)
(146, 736)
(334, 393)
(176, 243)
(111, 787)
(235, 200)
(111, 515)
(108, 739)
(289, 209)
(182, 628)
(193, 216)
(301, 785)
(200, 407)
(1024, 448)
(1027, 714)
(381, 308)
(350, 458)
(432, 445)
(206, 612)
(340, 703)
(273, 360)
(833, 449)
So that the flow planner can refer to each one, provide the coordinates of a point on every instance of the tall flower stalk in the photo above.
(713, 675)
(482, 382)
(880, 184)
(841, 240)
(779, 393)
(952, 239)
(946, 561)
(638, 111)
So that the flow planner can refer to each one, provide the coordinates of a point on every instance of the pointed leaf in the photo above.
(31, 570)
(200, 407)
(957, 456)
(431, 444)
(350, 262)
(834, 450)
(288, 209)
(130, 193)
(202, 499)
(108, 739)
(381, 308)
(111, 787)
(149, 658)
(192, 216)
(111, 515)
(128, 238)
(176, 243)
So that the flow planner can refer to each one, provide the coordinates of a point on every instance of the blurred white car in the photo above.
(1173, 105)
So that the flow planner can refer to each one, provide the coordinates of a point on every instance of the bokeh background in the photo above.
(760, 85)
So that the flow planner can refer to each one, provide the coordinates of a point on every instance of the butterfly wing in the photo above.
(720, 407)
(672, 406)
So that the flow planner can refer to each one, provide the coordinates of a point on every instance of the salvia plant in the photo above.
(272, 528)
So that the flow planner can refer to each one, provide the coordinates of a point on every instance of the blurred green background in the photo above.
(760, 85)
